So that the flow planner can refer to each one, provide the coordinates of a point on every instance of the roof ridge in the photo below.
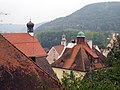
(25, 42)
(88, 50)
(83, 60)
(73, 55)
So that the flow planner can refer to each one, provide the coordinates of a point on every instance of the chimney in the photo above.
(80, 38)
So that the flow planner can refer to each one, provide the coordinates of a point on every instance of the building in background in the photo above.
(56, 51)
(63, 40)
(82, 57)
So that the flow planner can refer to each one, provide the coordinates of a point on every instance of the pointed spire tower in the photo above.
(30, 26)
(63, 41)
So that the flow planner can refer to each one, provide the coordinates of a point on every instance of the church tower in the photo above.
(81, 38)
(30, 26)
(63, 41)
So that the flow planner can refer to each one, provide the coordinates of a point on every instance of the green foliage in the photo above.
(52, 38)
(103, 79)
(95, 17)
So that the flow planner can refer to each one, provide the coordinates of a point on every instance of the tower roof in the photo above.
(30, 24)
(80, 34)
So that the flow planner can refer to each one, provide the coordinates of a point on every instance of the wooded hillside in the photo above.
(94, 17)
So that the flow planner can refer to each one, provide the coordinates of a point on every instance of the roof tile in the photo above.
(26, 43)
(77, 58)
(59, 48)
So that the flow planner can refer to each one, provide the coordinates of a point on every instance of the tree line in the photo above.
(52, 38)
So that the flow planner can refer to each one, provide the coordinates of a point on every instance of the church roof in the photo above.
(81, 34)
(26, 43)
(16, 66)
(77, 58)
(30, 24)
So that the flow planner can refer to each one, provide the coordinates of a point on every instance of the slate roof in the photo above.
(81, 57)
(26, 43)
(44, 65)
(18, 72)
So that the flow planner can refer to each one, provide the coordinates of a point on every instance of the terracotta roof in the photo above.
(77, 58)
(59, 48)
(70, 61)
(15, 66)
(26, 43)
(90, 51)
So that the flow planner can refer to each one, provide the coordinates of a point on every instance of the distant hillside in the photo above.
(8, 28)
(95, 17)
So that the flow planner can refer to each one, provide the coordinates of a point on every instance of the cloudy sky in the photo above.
(20, 11)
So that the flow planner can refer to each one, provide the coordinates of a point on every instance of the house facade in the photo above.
(56, 51)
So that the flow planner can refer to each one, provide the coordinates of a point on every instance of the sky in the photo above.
(21, 11)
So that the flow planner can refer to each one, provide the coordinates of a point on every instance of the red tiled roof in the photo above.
(77, 58)
(70, 61)
(26, 43)
(17, 67)
(59, 48)
(90, 51)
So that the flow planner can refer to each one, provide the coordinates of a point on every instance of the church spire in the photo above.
(63, 41)
(30, 26)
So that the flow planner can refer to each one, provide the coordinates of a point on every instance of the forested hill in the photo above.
(95, 17)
